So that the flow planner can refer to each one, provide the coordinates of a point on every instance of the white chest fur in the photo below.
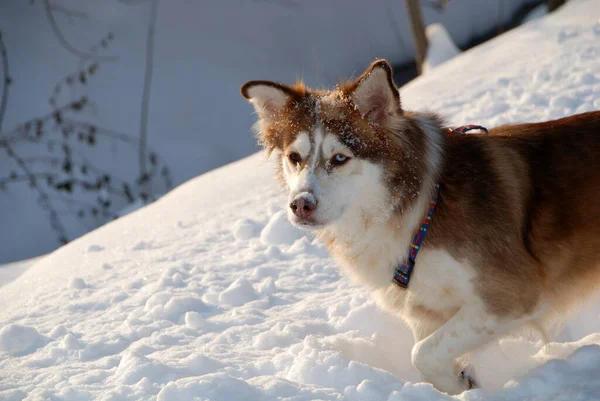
(369, 251)
(439, 284)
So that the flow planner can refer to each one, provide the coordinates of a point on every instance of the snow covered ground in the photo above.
(10, 271)
(210, 294)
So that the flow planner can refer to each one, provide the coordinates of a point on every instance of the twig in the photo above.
(102, 131)
(5, 80)
(44, 200)
(65, 43)
(57, 160)
(17, 133)
(147, 85)
(24, 177)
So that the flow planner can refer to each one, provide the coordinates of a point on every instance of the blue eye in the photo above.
(339, 159)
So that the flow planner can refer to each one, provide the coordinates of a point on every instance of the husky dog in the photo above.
(514, 239)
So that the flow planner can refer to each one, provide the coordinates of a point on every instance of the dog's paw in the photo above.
(467, 377)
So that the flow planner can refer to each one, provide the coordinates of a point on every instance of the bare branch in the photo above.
(147, 85)
(65, 43)
(49, 160)
(45, 202)
(5, 80)
(101, 131)
(18, 133)
(67, 169)
(24, 177)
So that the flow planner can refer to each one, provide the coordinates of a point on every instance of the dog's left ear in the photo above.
(267, 97)
(375, 94)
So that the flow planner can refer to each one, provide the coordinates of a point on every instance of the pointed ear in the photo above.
(267, 97)
(375, 94)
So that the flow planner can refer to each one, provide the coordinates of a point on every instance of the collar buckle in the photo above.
(403, 272)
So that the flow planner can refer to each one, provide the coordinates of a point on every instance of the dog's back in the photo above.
(563, 210)
(528, 192)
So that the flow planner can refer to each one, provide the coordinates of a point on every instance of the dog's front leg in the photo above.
(436, 355)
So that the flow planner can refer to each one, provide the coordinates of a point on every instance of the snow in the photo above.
(440, 48)
(209, 293)
(10, 271)
(537, 13)
(279, 230)
(244, 229)
(77, 283)
(240, 292)
(19, 340)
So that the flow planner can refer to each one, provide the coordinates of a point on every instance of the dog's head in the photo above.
(346, 151)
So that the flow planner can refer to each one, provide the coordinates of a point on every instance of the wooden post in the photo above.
(418, 32)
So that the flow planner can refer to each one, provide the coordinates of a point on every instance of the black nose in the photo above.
(304, 206)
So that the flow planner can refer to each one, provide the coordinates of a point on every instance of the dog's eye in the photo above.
(339, 159)
(295, 158)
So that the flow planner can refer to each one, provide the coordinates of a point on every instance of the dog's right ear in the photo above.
(375, 94)
(268, 98)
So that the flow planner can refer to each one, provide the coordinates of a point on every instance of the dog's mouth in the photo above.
(306, 223)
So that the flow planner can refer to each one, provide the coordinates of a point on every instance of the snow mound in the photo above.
(77, 283)
(20, 340)
(173, 308)
(279, 230)
(538, 12)
(194, 320)
(238, 293)
(95, 248)
(554, 380)
(244, 229)
(440, 48)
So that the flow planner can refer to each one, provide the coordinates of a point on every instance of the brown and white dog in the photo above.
(515, 239)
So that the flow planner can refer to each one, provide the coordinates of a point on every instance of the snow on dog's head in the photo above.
(351, 151)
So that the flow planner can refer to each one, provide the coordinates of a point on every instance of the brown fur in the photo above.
(521, 202)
